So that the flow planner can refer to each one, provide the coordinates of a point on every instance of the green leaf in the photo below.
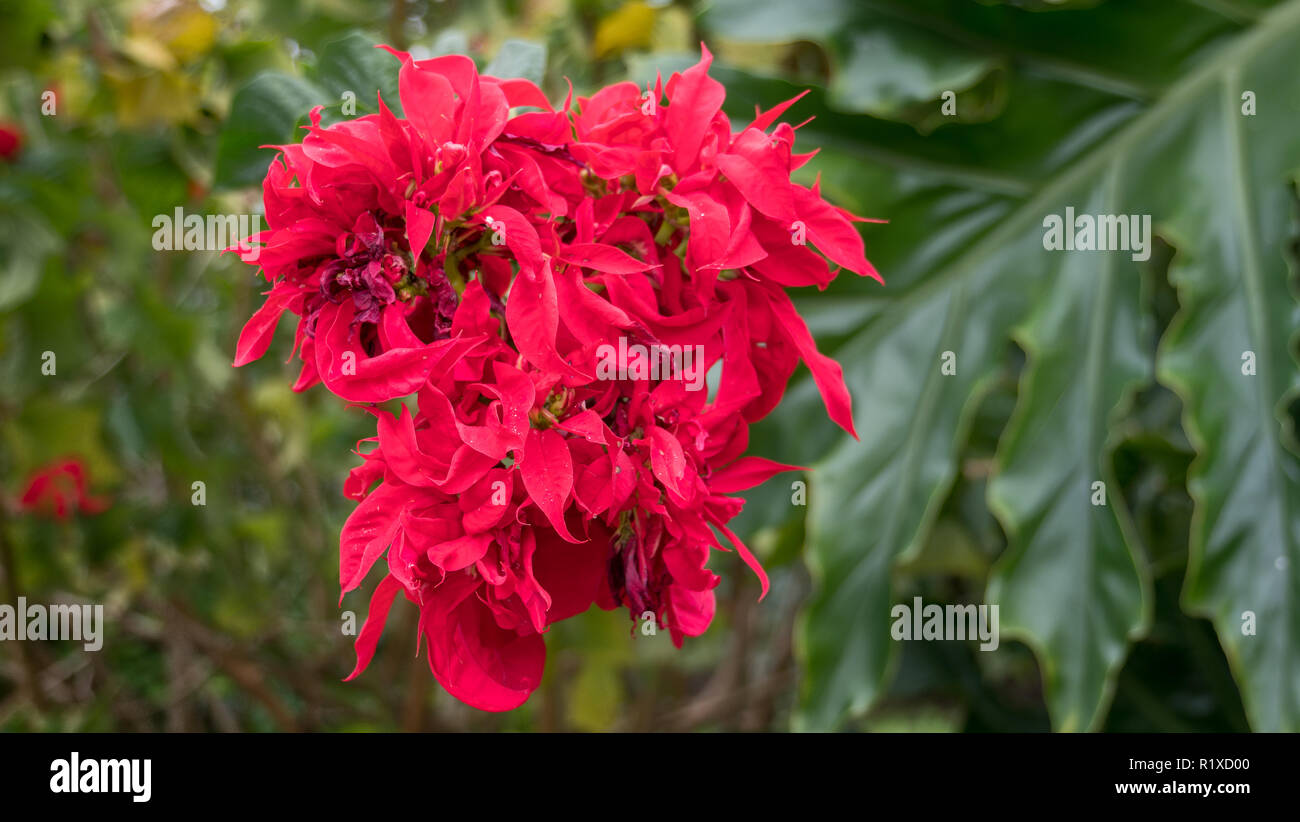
(264, 112)
(1069, 583)
(25, 242)
(20, 44)
(518, 58)
(1233, 222)
(353, 64)
(1072, 582)
(897, 72)
(879, 62)
(772, 21)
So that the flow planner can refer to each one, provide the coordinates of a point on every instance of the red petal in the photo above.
(520, 236)
(600, 257)
(761, 173)
(461, 552)
(533, 317)
(390, 375)
(260, 328)
(587, 315)
(826, 372)
(667, 459)
(520, 92)
(427, 101)
(832, 233)
(380, 601)
(746, 472)
(477, 661)
(690, 612)
(746, 555)
(368, 531)
(547, 472)
(710, 225)
(570, 574)
(419, 227)
(767, 118)
(695, 99)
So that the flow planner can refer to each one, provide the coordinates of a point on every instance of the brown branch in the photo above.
(9, 563)
(246, 673)
(718, 706)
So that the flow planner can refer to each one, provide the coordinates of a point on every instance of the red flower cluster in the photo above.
(491, 262)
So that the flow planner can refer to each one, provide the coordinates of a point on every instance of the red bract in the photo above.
(552, 287)
(60, 489)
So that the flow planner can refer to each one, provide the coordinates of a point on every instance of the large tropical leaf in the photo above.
(968, 273)
(1232, 221)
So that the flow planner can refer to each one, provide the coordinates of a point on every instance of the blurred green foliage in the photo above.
(224, 616)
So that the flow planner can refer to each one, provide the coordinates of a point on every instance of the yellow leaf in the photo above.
(142, 97)
(630, 26)
(148, 52)
(595, 697)
(180, 26)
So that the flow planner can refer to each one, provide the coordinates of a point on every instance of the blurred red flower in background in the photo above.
(11, 141)
(60, 489)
